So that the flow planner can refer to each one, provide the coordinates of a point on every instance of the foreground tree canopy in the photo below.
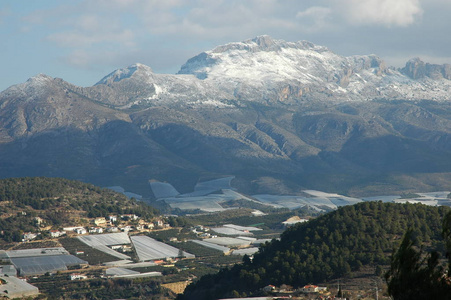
(331, 246)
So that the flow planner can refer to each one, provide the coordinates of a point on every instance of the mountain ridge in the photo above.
(291, 72)
(135, 125)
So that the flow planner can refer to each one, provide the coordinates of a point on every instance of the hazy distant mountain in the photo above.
(278, 115)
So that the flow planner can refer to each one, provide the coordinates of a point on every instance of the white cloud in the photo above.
(382, 12)
(123, 28)
(316, 15)
(82, 39)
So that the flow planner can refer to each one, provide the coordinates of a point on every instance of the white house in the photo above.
(77, 276)
(112, 229)
(126, 228)
(95, 230)
(56, 233)
(130, 217)
(80, 230)
(29, 236)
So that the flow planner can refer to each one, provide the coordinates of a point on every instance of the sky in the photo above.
(82, 41)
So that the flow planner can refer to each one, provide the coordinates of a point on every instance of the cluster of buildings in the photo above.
(287, 292)
(311, 291)
(110, 224)
(202, 232)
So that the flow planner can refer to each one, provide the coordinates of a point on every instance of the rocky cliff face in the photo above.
(417, 69)
(263, 110)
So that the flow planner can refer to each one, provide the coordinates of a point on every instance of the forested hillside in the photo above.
(57, 202)
(331, 246)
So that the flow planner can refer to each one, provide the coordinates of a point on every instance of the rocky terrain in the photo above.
(278, 115)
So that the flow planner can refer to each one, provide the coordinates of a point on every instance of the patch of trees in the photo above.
(330, 246)
(418, 274)
(55, 200)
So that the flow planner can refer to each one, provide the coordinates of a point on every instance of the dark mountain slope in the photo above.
(263, 110)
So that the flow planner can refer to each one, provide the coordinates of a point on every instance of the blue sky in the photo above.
(83, 40)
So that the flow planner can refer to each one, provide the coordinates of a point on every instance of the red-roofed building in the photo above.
(310, 289)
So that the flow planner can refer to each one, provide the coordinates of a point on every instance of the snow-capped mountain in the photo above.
(279, 116)
(274, 71)
(302, 70)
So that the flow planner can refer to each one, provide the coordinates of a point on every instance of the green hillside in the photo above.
(331, 246)
(58, 202)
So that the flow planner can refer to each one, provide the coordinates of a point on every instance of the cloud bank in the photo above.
(384, 12)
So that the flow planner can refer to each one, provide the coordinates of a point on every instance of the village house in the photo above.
(100, 221)
(126, 248)
(269, 288)
(313, 289)
(126, 228)
(56, 233)
(310, 289)
(129, 217)
(39, 221)
(112, 218)
(95, 230)
(77, 276)
(29, 236)
(80, 230)
(159, 223)
(116, 247)
(112, 229)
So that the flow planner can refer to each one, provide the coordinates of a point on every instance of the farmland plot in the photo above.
(223, 249)
(229, 242)
(246, 251)
(231, 229)
(102, 241)
(149, 249)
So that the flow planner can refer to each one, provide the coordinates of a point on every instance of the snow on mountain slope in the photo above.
(263, 70)
(143, 87)
(291, 71)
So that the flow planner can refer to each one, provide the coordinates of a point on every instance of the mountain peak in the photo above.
(266, 43)
(415, 68)
(39, 79)
(258, 58)
(124, 73)
(264, 40)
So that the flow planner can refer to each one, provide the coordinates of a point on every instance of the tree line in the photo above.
(328, 247)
